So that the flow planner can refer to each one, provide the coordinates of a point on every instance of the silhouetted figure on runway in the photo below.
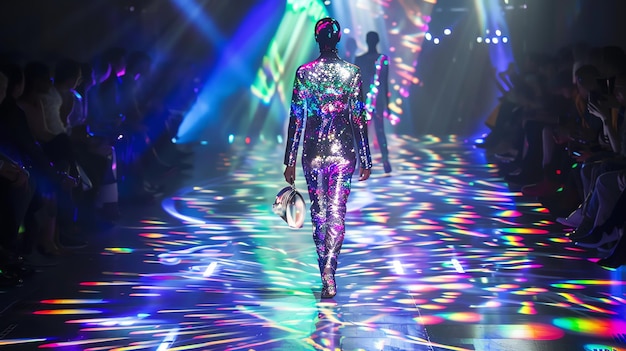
(328, 99)
(375, 70)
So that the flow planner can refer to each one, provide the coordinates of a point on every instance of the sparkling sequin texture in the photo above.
(328, 97)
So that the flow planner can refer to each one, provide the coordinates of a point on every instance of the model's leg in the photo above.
(379, 127)
(316, 186)
(339, 183)
(608, 193)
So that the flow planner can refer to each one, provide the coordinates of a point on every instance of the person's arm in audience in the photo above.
(35, 154)
(608, 129)
(12, 172)
(498, 82)
(67, 105)
(506, 75)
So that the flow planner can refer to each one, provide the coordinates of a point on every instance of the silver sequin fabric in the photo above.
(328, 103)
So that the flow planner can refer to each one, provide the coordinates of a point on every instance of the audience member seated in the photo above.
(59, 142)
(41, 103)
(18, 143)
(575, 133)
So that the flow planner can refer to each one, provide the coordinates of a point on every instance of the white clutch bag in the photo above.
(289, 205)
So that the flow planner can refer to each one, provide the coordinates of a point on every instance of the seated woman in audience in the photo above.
(15, 196)
(94, 154)
(608, 174)
(29, 108)
(610, 156)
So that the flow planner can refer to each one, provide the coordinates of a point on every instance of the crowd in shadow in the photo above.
(558, 134)
(79, 141)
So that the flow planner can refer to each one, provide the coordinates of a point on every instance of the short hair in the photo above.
(66, 69)
(114, 55)
(34, 71)
(561, 80)
(587, 75)
(327, 32)
(14, 74)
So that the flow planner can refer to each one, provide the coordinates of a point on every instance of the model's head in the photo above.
(37, 78)
(327, 34)
(15, 79)
(67, 72)
(372, 39)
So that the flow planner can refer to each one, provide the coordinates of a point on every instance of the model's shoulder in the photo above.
(353, 67)
(311, 64)
(306, 67)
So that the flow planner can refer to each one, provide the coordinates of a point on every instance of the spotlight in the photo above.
(479, 39)
(327, 2)
(174, 140)
(487, 40)
(495, 40)
(231, 139)
(505, 40)
(204, 142)
(346, 31)
(428, 36)
(447, 31)
(279, 138)
(498, 32)
(436, 40)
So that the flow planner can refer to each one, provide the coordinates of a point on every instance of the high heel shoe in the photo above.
(574, 219)
(387, 166)
(49, 250)
(584, 229)
(329, 289)
(616, 255)
(592, 242)
(328, 292)
(8, 279)
(17, 265)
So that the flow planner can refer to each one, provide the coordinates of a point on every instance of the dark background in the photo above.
(457, 87)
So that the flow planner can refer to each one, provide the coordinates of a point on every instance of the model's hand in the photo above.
(290, 174)
(364, 174)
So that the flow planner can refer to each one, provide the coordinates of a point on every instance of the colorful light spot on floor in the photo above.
(67, 312)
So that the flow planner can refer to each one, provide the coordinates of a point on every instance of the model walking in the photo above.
(375, 69)
(328, 98)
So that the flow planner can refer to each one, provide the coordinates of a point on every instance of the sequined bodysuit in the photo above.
(328, 98)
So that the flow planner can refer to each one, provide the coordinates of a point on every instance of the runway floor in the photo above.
(439, 255)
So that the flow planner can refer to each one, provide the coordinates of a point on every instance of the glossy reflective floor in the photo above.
(440, 255)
